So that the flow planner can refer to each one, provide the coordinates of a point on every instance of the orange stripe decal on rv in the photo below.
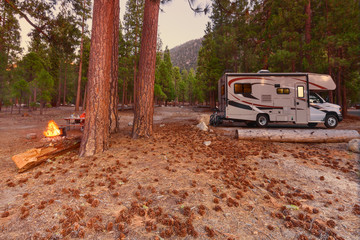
(316, 85)
(259, 105)
(242, 78)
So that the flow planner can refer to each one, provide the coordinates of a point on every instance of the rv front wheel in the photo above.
(331, 121)
(262, 120)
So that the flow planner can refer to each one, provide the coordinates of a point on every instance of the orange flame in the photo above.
(52, 130)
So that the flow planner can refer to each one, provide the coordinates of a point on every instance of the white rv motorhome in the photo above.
(263, 97)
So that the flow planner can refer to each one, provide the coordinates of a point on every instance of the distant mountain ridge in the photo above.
(185, 55)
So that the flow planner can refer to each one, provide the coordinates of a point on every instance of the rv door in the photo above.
(301, 104)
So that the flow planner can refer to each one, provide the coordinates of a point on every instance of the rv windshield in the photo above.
(316, 98)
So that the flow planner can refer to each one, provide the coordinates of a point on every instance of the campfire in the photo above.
(53, 130)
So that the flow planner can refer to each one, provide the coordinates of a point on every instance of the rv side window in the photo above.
(283, 91)
(222, 90)
(240, 88)
(300, 91)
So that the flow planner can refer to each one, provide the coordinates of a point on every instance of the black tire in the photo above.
(331, 121)
(312, 125)
(262, 120)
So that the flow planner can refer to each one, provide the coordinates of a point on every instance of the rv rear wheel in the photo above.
(262, 120)
(331, 121)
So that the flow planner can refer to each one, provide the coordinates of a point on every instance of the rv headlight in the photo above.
(340, 109)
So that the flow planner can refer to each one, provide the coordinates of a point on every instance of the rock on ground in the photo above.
(354, 145)
(31, 136)
(202, 126)
(204, 118)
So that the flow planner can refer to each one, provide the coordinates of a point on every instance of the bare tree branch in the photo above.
(27, 19)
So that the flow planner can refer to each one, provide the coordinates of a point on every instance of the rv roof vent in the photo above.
(263, 71)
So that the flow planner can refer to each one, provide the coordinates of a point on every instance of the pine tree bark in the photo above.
(308, 30)
(78, 92)
(96, 131)
(331, 93)
(144, 100)
(114, 99)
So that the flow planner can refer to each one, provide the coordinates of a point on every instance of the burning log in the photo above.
(33, 157)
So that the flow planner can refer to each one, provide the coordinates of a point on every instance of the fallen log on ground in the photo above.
(297, 135)
(35, 156)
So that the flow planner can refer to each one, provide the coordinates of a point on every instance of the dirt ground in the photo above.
(173, 186)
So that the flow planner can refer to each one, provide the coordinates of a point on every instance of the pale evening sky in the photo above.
(177, 24)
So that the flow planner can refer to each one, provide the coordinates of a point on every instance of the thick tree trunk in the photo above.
(114, 99)
(78, 92)
(96, 132)
(144, 101)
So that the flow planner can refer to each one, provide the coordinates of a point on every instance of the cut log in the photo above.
(33, 157)
(297, 135)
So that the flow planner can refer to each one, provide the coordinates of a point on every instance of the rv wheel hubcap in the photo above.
(262, 120)
(331, 121)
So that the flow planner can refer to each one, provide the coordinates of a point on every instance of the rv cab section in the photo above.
(260, 98)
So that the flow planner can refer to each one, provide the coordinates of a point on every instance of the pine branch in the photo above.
(27, 19)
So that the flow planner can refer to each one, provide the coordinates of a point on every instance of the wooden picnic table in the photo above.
(74, 122)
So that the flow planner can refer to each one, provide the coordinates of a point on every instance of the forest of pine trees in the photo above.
(47, 74)
(284, 36)
(55, 50)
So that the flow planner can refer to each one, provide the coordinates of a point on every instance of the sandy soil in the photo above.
(172, 186)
